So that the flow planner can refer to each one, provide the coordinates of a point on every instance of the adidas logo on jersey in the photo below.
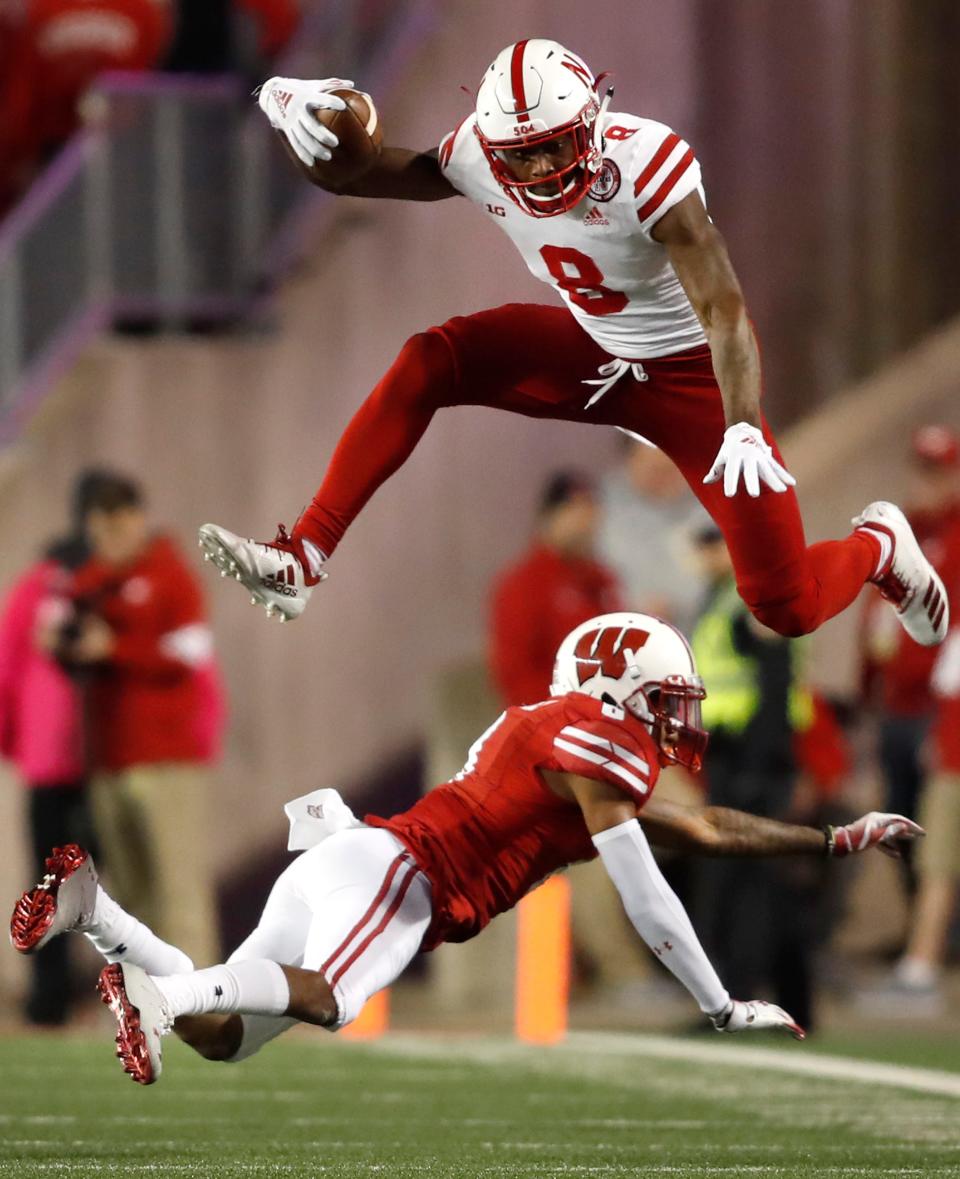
(595, 217)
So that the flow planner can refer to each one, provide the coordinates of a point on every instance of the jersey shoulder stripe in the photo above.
(591, 748)
(649, 207)
(605, 743)
(656, 162)
(665, 171)
(448, 143)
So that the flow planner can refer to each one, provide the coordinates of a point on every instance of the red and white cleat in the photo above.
(275, 573)
(63, 900)
(907, 580)
(142, 1019)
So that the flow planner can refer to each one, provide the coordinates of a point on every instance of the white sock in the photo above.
(315, 557)
(916, 972)
(120, 937)
(886, 546)
(253, 987)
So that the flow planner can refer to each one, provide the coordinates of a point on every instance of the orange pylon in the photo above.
(543, 963)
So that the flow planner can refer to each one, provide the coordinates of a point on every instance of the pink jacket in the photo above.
(40, 712)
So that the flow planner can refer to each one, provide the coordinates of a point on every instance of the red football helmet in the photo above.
(536, 92)
(645, 666)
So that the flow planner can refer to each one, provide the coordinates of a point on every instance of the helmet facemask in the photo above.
(571, 182)
(671, 709)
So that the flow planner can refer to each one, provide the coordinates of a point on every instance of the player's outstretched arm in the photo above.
(291, 104)
(721, 831)
(655, 910)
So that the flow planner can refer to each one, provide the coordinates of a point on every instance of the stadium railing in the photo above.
(168, 208)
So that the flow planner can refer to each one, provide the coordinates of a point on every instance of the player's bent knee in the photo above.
(311, 998)
(427, 358)
(214, 1037)
(792, 618)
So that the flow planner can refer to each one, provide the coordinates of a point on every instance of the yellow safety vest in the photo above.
(730, 678)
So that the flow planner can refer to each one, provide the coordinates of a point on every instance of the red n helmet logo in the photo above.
(576, 67)
(604, 653)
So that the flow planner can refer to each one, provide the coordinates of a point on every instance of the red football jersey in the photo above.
(495, 831)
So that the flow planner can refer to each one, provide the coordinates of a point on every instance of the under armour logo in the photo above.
(315, 810)
(218, 991)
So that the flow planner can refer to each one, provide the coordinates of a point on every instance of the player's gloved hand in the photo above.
(755, 1016)
(745, 451)
(289, 104)
(887, 832)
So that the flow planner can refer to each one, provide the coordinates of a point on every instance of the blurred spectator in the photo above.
(917, 977)
(219, 35)
(554, 587)
(59, 48)
(40, 732)
(896, 671)
(756, 917)
(154, 713)
(646, 505)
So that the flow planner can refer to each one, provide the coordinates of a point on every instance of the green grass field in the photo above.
(597, 1106)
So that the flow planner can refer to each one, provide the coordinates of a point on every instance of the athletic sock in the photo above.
(885, 544)
(253, 987)
(315, 558)
(120, 937)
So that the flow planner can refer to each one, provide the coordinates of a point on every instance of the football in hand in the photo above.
(358, 129)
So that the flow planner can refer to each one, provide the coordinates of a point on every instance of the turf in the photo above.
(427, 1107)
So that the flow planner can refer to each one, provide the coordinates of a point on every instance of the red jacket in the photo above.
(895, 668)
(155, 700)
(536, 603)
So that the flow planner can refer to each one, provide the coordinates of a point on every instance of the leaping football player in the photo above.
(545, 786)
(609, 210)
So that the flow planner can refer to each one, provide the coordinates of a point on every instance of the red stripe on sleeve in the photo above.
(516, 77)
(446, 148)
(656, 163)
(663, 191)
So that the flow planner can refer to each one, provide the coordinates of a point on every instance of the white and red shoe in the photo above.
(143, 1019)
(277, 574)
(907, 579)
(62, 901)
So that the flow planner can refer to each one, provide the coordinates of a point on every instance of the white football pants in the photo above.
(355, 907)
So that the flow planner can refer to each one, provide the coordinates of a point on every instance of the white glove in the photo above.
(886, 832)
(289, 104)
(755, 1016)
(745, 450)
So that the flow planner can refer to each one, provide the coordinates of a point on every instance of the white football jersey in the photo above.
(617, 281)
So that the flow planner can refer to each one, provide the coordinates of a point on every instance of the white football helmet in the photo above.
(645, 666)
(534, 92)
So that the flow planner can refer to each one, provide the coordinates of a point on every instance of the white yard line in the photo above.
(792, 1060)
(609, 1045)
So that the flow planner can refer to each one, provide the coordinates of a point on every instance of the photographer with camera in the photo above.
(134, 628)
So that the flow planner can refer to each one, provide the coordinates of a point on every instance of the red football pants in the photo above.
(533, 360)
